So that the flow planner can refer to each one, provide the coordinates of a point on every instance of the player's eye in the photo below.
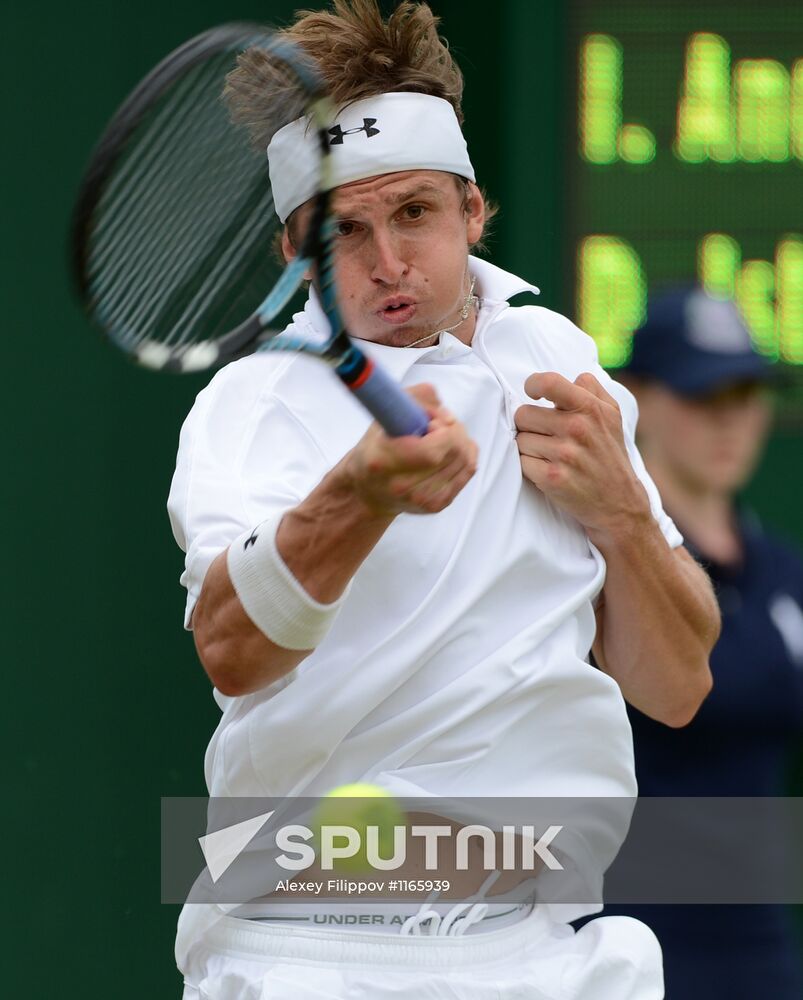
(414, 211)
(345, 228)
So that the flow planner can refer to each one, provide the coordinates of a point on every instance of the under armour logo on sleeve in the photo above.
(367, 126)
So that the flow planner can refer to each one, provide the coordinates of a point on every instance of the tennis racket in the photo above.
(174, 223)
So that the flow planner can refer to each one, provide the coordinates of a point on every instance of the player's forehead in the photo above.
(392, 189)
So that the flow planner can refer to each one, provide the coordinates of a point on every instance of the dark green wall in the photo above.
(107, 707)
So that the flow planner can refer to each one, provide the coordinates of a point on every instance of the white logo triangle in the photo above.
(222, 848)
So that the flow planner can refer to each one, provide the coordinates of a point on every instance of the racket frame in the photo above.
(396, 410)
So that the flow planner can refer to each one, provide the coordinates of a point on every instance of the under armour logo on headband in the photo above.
(398, 131)
(367, 127)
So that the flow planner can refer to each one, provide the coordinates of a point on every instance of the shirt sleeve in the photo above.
(242, 456)
(629, 409)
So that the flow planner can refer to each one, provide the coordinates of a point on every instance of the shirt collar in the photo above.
(497, 285)
(493, 285)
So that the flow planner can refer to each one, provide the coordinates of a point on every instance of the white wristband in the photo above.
(272, 597)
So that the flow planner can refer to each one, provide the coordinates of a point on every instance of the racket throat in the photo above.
(354, 368)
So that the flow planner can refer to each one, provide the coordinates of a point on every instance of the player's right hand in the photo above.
(414, 475)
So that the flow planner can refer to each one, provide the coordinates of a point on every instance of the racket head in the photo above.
(173, 231)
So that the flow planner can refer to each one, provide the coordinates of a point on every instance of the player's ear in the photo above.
(475, 214)
(288, 250)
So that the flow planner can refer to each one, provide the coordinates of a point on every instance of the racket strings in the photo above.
(163, 208)
(181, 243)
(156, 275)
(161, 192)
(142, 158)
(238, 251)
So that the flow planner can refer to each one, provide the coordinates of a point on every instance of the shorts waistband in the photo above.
(379, 918)
(255, 939)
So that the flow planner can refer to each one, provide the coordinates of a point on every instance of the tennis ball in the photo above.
(359, 805)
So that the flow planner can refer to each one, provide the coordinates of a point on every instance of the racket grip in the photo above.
(392, 407)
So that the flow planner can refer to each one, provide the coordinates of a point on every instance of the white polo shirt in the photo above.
(458, 664)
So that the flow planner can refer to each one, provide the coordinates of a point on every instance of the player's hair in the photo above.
(359, 54)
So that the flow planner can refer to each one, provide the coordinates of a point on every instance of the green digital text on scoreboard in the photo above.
(687, 164)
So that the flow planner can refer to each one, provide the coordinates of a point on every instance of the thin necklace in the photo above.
(471, 300)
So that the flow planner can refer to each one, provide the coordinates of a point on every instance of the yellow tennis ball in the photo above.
(359, 806)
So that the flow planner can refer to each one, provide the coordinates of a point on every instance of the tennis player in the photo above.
(419, 613)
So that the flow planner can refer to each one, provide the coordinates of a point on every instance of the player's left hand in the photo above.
(575, 452)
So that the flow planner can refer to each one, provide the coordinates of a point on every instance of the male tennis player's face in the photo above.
(401, 255)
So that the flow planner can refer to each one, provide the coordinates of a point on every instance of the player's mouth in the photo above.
(396, 310)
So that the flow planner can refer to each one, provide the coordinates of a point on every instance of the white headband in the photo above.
(379, 135)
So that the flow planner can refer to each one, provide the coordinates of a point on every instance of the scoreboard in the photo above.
(686, 163)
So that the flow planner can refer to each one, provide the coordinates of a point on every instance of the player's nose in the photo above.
(387, 260)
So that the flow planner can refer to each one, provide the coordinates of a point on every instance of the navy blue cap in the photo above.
(695, 344)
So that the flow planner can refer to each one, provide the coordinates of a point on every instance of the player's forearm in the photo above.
(323, 541)
(658, 622)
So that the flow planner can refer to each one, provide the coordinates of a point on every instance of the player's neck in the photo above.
(465, 332)
(464, 328)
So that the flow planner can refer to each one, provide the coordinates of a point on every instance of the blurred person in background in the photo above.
(705, 413)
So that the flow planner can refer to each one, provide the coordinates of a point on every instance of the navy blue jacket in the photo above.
(738, 744)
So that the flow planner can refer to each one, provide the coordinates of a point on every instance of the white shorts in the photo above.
(610, 958)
